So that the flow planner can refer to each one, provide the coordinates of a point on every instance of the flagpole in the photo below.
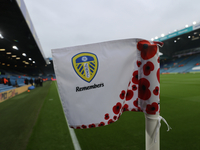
(152, 133)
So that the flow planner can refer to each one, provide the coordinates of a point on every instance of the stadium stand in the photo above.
(4, 88)
(21, 54)
(181, 65)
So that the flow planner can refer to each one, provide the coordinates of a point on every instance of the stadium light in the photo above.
(8, 53)
(156, 37)
(189, 37)
(1, 36)
(194, 23)
(186, 25)
(33, 61)
(14, 56)
(17, 57)
(162, 35)
(152, 39)
(24, 54)
(175, 30)
(29, 59)
(15, 47)
(174, 41)
(2, 49)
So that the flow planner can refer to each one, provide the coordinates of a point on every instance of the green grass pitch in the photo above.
(35, 121)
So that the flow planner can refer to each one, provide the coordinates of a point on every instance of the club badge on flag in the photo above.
(85, 65)
(98, 82)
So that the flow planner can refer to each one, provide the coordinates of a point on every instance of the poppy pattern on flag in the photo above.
(137, 91)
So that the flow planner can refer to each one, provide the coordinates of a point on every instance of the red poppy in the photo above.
(144, 93)
(101, 124)
(125, 107)
(139, 109)
(147, 49)
(84, 126)
(78, 127)
(122, 95)
(139, 63)
(129, 83)
(133, 109)
(135, 103)
(135, 77)
(158, 75)
(117, 108)
(147, 68)
(129, 95)
(156, 90)
(106, 117)
(110, 121)
(114, 117)
(134, 87)
(152, 109)
(158, 59)
(92, 125)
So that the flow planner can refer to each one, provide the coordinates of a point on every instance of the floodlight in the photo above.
(15, 47)
(1, 36)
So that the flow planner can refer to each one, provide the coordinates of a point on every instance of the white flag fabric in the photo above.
(98, 82)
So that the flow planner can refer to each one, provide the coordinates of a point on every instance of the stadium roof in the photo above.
(20, 49)
(182, 42)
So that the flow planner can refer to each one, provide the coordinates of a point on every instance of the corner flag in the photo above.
(98, 82)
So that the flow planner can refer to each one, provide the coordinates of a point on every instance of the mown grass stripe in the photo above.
(51, 131)
(72, 133)
(18, 116)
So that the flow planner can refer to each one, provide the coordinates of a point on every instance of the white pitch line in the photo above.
(71, 131)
